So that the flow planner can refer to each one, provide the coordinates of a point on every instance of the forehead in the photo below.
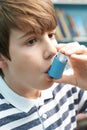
(20, 34)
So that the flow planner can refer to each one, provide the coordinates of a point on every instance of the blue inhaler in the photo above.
(58, 65)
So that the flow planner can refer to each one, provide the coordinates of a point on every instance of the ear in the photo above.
(3, 61)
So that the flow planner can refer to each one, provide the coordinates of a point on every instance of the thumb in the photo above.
(67, 79)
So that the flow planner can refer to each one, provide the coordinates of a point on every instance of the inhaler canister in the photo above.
(58, 65)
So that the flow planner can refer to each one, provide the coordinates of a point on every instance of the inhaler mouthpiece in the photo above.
(58, 66)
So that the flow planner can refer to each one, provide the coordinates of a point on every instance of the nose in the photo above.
(50, 48)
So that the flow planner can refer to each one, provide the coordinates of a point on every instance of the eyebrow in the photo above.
(28, 33)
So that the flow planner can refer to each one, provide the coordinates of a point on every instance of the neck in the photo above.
(25, 92)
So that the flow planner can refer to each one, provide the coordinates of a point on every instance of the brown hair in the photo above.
(37, 14)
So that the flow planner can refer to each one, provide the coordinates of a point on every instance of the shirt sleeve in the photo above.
(80, 99)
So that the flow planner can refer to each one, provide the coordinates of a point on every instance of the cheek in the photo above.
(25, 65)
(25, 62)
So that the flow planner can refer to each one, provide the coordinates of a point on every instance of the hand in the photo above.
(77, 55)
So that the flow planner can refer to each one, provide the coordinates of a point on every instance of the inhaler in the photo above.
(58, 66)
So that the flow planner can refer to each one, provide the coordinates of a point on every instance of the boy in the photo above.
(29, 99)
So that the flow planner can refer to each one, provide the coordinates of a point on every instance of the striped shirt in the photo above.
(56, 109)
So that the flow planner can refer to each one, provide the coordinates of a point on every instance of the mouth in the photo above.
(47, 69)
(46, 72)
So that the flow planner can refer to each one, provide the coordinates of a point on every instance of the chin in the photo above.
(47, 85)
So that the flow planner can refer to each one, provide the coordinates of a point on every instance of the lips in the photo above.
(47, 69)
(49, 66)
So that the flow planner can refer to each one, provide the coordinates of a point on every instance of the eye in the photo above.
(32, 41)
(51, 35)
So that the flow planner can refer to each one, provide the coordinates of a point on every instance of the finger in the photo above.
(79, 49)
(67, 80)
(60, 45)
(79, 57)
(68, 48)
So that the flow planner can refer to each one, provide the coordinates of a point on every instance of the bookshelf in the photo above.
(78, 11)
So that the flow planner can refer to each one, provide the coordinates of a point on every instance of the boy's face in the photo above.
(31, 57)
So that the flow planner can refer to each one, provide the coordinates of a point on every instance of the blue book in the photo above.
(79, 25)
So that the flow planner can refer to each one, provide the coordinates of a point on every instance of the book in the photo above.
(59, 34)
(73, 34)
(73, 27)
(62, 23)
(79, 25)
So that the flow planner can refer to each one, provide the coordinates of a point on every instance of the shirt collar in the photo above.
(22, 103)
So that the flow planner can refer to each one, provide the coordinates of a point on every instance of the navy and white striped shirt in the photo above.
(56, 109)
